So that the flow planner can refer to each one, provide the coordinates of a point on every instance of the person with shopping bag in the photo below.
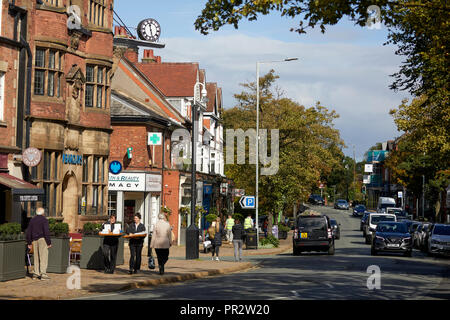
(162, 241)
(215, 233)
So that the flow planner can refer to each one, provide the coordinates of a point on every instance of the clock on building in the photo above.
(149, 30)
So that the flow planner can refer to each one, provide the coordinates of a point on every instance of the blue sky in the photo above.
(347, 69)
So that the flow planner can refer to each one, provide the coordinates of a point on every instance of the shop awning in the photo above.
(20, 189)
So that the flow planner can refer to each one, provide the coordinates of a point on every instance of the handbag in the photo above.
(151, 262)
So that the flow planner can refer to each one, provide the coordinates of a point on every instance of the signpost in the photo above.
(247, 202)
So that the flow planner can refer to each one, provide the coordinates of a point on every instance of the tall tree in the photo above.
(307, 144)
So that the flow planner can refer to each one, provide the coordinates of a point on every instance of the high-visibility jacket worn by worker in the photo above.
(248, 223)
(230, 224)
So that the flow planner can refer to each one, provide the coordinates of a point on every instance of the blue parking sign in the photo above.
(248, 202)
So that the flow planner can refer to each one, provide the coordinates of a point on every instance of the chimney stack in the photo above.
(149, 57)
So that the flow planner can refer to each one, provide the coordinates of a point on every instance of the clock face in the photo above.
(149, 30)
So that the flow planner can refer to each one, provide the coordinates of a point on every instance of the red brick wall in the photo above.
(171, 197)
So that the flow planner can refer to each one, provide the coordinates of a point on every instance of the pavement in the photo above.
(94, 282)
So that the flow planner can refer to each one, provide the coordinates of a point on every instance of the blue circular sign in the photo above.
(115, 167)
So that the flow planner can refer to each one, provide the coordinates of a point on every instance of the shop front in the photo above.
(135, 192)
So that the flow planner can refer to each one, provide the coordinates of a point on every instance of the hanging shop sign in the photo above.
(153, 182)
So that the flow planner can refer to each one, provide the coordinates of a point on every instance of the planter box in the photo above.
(92, 253)
(12, 260)
(58, 255)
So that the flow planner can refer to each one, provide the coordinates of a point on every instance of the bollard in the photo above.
(192, 242)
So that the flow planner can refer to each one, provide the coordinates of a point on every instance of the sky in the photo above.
(347, 69)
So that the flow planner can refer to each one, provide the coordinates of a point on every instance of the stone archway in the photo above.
(70, 201)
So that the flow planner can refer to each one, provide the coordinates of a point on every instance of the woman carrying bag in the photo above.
(162, 241)
(216, 232)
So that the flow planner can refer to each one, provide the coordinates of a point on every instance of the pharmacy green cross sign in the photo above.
(154, 138)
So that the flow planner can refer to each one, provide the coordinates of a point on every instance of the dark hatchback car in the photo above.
(392, 237)
(359, 210)
(336, 227)
(316, 199)
(313, 233)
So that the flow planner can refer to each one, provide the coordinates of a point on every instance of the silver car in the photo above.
(439, 242)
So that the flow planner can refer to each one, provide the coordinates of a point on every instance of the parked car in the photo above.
(421, 235)
(363, 220)
(316, 199)
(439, 241)
(341, 204)
(427, 229)
(313, 233)
(359, 210)
(392, 237)
(336, 228)
(417, 235)
(373, 221)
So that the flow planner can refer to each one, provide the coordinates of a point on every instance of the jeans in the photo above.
(230, 235)
(238, 249)
(215, 250)
(110, 256)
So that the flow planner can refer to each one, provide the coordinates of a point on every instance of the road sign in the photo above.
(248, 202)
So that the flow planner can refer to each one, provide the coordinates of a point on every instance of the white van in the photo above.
(385, 202)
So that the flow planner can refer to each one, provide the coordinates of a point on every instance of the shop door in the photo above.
(129, 210)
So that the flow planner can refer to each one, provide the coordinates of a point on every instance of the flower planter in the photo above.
(58, 255)
(92, 253)
(12, 260)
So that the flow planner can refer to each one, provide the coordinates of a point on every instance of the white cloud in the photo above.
(350, 77)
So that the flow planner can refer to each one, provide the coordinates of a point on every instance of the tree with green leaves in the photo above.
(308, 143)
(420, 30)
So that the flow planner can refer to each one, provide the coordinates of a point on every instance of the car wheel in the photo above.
(296, 251)
(331, 250)
(367, 240)
(408, 253)
(373, 252)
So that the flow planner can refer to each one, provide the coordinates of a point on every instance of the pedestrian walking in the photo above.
(161, 241)
(229, 226)
(238, 242)
(215, 232)
(38, 238)
(110, 247)
(136, 245)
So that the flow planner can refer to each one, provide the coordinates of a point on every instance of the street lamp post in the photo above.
(257, 142)
(192, 233)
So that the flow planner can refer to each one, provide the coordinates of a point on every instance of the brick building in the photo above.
(66, 112)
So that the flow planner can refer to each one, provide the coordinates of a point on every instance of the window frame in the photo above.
(97, 87)
(2, 92)
(48, 72)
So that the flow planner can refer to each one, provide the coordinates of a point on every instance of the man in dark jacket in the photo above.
(110, 246)
(38, 238)
(238, 236)
(136, 245)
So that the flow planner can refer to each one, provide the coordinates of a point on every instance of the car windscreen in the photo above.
(333, 222)
(376, 219)
(387, 205)
(312, 223)
(398, 212)
(342, 201)
(360, 208)
(392, 227)
(442, 230)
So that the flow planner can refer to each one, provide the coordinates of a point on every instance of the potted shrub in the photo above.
(283, 231)
(12, 252)
(58, 254)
